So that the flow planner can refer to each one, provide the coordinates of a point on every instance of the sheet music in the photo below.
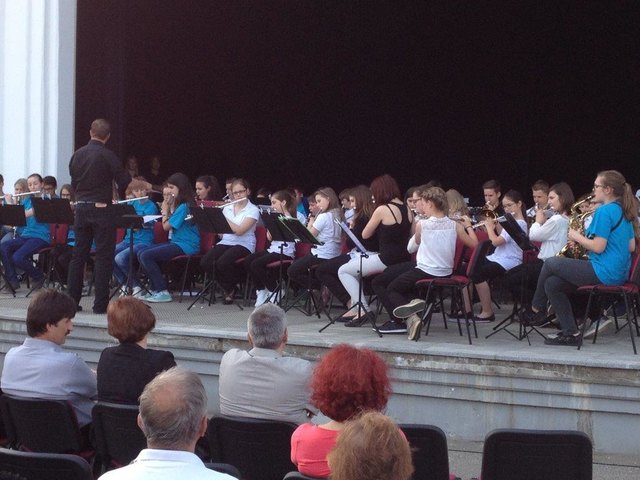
(345, 228)
(150, 218)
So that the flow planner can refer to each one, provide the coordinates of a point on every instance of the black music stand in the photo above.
(362, 252)
(303, 235)
(279, 233)
(56, 212)
(127, 218)
(212, 220)
(11, 215)
(522, 240)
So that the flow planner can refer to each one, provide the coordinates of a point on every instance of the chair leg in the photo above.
(184, 278)
(584, 324)
(633, 340)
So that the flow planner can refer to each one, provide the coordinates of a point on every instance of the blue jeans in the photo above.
(560, 277)
(17, 253)
(151, 260)
(121, 262)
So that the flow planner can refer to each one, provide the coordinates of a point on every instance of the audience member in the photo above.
(262, 383)
(124, 370)
(40, 368)
(173, 416)
(371, 447)
(346, 382)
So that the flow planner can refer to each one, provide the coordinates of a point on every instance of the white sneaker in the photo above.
(160, 297)
(605, 323)
(414, 306)
(261, 296)
(414, 325)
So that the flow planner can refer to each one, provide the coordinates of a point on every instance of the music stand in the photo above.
(279, 233)
(303, 235)
(362, 252)
(127, 218)
(209, 219)
(11, 215)
(522, 240)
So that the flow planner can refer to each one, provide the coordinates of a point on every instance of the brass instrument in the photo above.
(548, 211)
(576, 222)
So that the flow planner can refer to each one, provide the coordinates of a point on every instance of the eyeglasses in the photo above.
(239, 192)
(595, 186)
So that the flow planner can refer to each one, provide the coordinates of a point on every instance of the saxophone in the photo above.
(576, 222)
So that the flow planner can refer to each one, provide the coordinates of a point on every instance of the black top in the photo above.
(393, 238)
(371, 244)
(123, 371)
(93, 168)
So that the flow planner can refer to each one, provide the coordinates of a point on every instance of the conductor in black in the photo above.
(93, 170)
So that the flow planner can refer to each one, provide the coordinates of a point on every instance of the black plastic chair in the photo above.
(44, 466)
(295, 475)
(537, 454)
(224, 468)
(118, 438)
(47, 426)
(260, 449)
(429, 451)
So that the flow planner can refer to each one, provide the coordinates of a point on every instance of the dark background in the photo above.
(337, 92)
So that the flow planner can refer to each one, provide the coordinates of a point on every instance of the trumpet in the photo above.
(548, 211)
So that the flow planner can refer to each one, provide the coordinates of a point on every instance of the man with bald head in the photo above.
(173, 416)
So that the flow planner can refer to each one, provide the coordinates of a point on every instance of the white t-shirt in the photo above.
(248, 239)
(437, 249)
(329, 232)
(553, 235)
(509, 254)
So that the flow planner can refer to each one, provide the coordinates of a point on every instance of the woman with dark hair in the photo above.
(371, 447)
(506, 255)
(208, 188)
(327, 272)
(242, 216)
(609, 241)
(347, 381)
(324, 227)
(184, 238)
(265, 279)
(124, 370)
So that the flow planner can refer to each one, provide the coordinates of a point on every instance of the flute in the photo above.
(132, 199)
(25, 194)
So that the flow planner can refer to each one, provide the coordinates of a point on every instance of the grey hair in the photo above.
(172, 406)
(266, 326)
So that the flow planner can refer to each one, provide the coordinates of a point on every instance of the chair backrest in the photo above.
(224, 468)
(458, 256)
(295, 475)
(44, 466)
(118, 438)
(60, 233)
(120, 233)
(260, 449)
(302, 249)
(634, 271)
(41, 425)
(429, 451)
(207, 241)
(479, 252)
(159, 233)
(261, 238)
(537, 454)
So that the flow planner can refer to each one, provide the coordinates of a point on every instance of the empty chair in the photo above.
(429, 451)
(44, 466)
(260, 449)
(48, 426)
(224, 468)
(118, 438)
(536, 454)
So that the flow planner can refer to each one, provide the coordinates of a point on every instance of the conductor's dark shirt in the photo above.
(93, 168)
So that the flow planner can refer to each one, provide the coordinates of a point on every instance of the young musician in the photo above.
(184, 238)
(609, 241)
(17, 252)
(142, 238)
(208, 188)
(325, 229)
(327, 272)
(266, 279)
(506, 255)
(436, 236)
(242, 217)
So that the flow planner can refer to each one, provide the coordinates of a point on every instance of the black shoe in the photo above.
(393, 326)
(488, 319)
(562, 339)
(357, 322)
(37, 284)
(78, 308)
(534, 319)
